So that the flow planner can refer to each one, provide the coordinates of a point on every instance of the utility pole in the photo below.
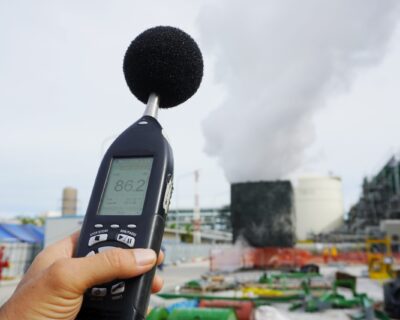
(196, 210)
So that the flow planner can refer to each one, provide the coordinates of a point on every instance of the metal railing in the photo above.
(20, 256)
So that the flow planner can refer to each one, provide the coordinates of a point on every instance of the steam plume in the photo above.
(280, 60)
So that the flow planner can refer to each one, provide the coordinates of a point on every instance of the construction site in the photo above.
(264, 256)
(344, 269)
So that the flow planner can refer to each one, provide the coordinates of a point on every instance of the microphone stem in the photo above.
(152, 106)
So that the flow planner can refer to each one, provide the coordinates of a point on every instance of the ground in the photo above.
(176, 275)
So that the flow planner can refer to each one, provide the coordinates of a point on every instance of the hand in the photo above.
(53, 286)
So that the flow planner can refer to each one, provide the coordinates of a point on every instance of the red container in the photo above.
(243, 309)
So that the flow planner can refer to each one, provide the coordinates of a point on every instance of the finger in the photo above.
(78, 274)
(160, 258)
(157, 285)
(59, 250)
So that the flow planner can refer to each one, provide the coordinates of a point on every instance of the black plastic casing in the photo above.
(143, 139)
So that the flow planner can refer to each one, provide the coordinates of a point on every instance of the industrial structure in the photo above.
(262, 213)
(319, 205)
(377, 212)
(69, 201)
(210, 219)
(379, 200)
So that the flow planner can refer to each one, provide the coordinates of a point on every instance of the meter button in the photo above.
(128, 240)
(91, 253)
(98, 292)
(118, 288)
(115, 226)
(167, 196)
(96, 239)
(131, 226)
(98, 226)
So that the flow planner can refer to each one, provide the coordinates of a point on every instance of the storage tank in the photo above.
(319, 205)
(69, 201)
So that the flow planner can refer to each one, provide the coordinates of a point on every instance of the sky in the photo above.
(63, 97)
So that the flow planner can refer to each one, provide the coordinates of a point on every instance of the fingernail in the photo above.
(144, 256)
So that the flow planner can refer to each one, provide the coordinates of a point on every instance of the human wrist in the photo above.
(4, 313)
(8, 312)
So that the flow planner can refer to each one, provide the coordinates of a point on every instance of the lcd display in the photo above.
(126, 187)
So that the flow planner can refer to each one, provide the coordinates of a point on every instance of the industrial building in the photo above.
(210, 218)
(379, 199)
(377, 211)
(262, 213)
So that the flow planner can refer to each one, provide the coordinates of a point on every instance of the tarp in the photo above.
(35, 231)
(7, 237)
(21, 233)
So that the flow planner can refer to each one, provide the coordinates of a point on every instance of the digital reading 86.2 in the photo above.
(126, 187)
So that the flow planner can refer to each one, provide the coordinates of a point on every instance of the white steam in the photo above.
(279, 61)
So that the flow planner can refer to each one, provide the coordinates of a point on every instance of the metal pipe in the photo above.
(152, 106)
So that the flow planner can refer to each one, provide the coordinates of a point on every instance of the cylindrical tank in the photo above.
(243, 309)
(202, 314)
(319, 205)
(69, 201)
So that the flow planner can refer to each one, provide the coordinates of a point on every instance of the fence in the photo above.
(175, 252)
(20, 256)
(237, 257)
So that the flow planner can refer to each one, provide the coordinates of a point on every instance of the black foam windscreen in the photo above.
(165, 61)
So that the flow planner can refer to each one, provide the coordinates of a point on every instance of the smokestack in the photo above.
(69, 201)
(262, 213)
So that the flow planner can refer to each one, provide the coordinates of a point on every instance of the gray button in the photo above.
(114, 226)
(116, 297)
(98, 292)
(118, 288)
(105, 248)
(128, 240)
(99, 238)
(131, 226)
(167, 195)
(98, 226)
(91, 253)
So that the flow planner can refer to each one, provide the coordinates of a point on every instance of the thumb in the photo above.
(116, 263)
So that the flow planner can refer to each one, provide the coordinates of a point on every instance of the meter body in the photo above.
(127, 209)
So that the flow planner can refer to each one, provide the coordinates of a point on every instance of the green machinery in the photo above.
(309, 298)
(333, 299)
(192, 314)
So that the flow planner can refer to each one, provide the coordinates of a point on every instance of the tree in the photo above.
(37, 221)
